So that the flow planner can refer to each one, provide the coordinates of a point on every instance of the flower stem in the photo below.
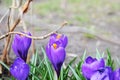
(55, 75)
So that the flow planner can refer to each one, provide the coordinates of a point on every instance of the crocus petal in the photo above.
(89, 60)
(90, 66)
(52, 39)
(48, 52)
(103, 74)
(15, 45)
(19, 69)
(27, 41)
(117, 74)
(55, 50)
(20, 45)
(87, 71)
(62, 39)
(98, 64)
(58, 57)
(98, 76)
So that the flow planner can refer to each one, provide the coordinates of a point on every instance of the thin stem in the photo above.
(35, 38)
(55, 75)
(5, 52)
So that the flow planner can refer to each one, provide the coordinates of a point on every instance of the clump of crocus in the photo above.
(19, 69)
(55, 51)
(93, 69)
(20, 45)
(91, 65)
(105, 73)
(116, 74)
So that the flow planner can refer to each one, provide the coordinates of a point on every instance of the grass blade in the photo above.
(5, 65)
(49, 69)
(75, 74)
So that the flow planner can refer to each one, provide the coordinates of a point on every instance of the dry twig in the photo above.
(5, 50)
(35, 38)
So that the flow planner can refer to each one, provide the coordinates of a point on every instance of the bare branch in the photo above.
(5, 50)
(8, 20)
(26, 6)
(35, 38)
(47, 35)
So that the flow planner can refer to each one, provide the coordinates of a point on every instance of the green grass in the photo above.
(79, 11)
(82, 18)
(47, 7)
(7, 2)
(41, 68)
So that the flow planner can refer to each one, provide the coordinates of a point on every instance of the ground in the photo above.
(99, 17)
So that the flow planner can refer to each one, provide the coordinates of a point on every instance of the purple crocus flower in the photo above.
(59, 37)
(103, 74)
(20, 45)
(19, 69)
(55, 51)
(90, 66)
(117, 74)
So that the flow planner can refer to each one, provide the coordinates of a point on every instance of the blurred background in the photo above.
(92, 24)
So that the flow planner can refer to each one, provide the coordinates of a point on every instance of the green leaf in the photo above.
(98, 56)
(34, 63)
(5, 65)
(74, 73)
(84, 55)
(118, 61)
(110, 62)
(66, 71)
(49, 69)
(61, 74)
(35, 77)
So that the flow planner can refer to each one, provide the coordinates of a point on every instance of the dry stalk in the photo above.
(45, 36)
(30, 53)
(13, 27)
(33, 37)
(33, 49)
(8, 20)
(4, 53)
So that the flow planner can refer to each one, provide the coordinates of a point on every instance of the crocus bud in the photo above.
(20, 45)
(91, 65)
(117, 74)
(55, 51)
(59, 37)
(19, 69)
(103, 74)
